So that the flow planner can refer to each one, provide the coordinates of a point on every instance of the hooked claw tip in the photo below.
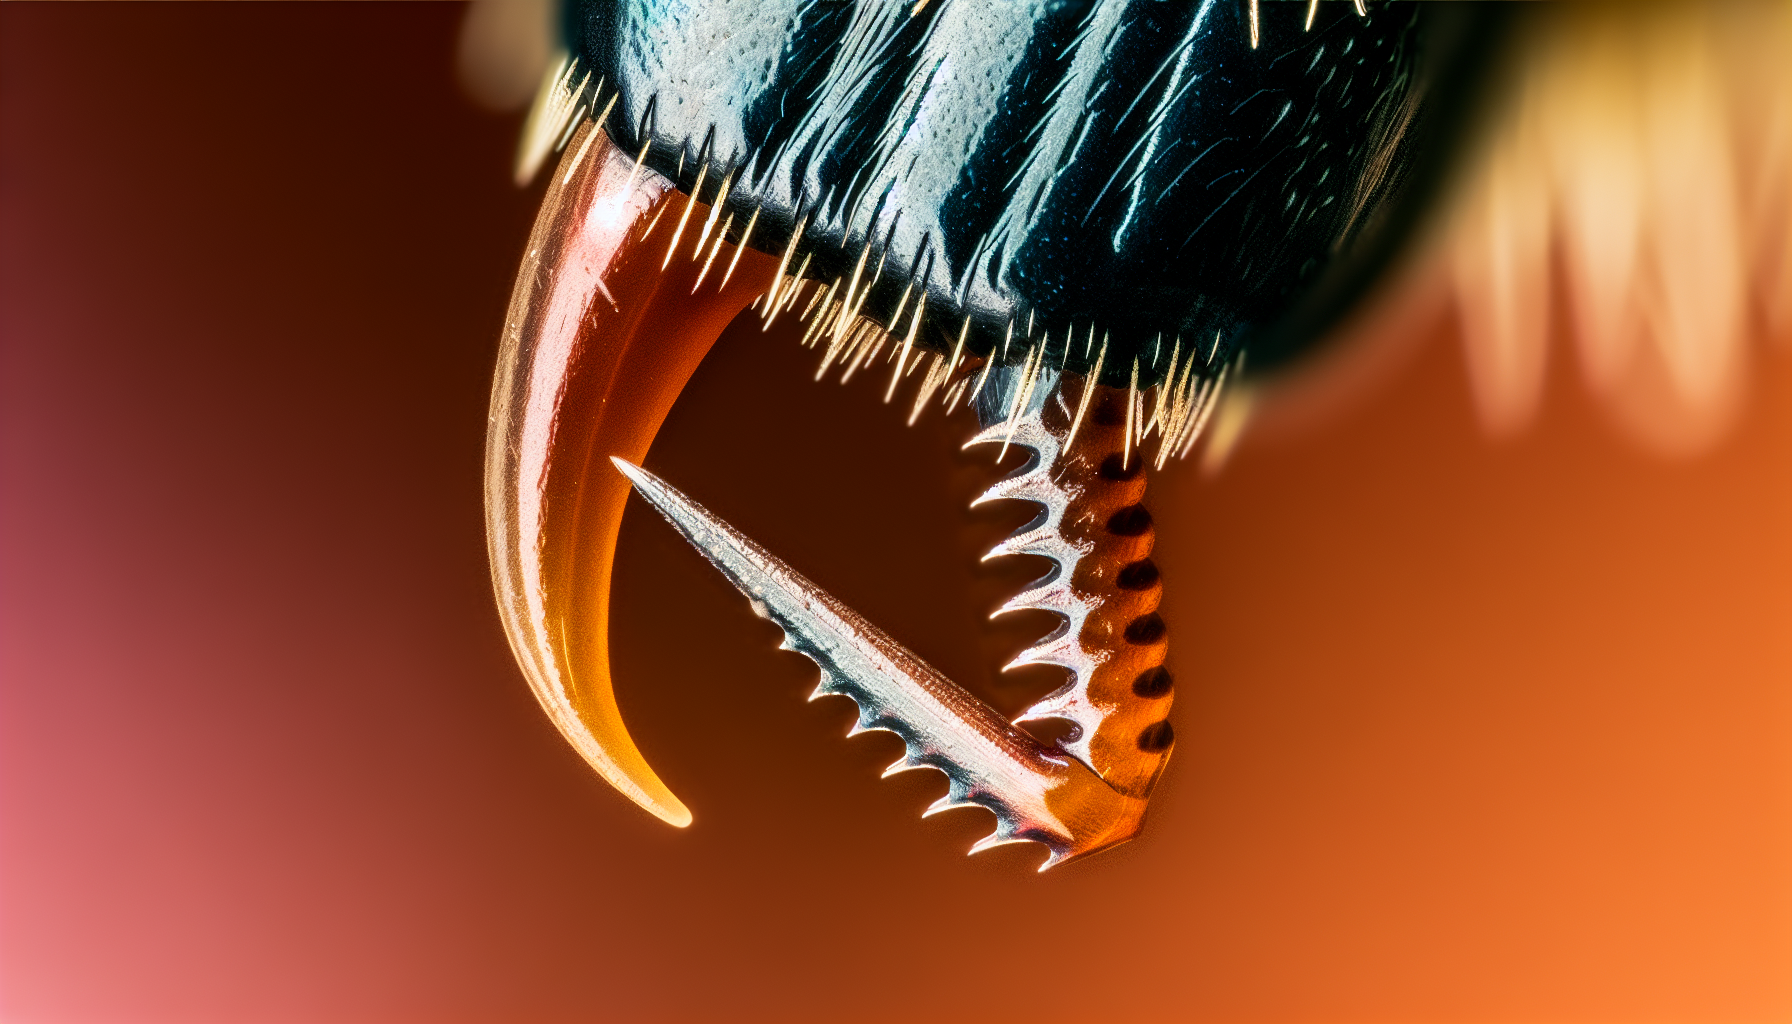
(597, 346)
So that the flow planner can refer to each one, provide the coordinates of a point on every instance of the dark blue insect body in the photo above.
(1073, 171)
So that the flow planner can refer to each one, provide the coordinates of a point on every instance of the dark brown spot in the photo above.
(1146, 629)
(1110, 409)
(1114, 468)
(1140, 575)
(1129, 521)
(1153, 683)
(1157, 737)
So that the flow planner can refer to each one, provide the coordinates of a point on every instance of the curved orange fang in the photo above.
(598, 343)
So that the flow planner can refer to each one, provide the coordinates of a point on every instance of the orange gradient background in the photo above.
(1467, 731)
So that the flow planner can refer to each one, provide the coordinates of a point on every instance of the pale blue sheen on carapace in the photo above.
(1131, 164)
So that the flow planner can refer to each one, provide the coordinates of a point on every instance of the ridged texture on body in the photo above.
(1147, 167)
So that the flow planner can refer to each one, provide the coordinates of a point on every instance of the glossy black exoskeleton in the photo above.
(1135, 169)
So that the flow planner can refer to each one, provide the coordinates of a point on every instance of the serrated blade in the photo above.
(1036, 794)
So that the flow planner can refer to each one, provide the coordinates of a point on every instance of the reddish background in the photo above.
(1468, 732)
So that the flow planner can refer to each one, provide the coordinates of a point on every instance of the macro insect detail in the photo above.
(1076, 220)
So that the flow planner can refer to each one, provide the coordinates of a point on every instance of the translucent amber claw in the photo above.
(598, 343)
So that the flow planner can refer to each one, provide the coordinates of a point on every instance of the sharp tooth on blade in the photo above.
(902, 764)
(1056, 596)
(995, 838)
(948, 802)
(1025, 434)
(1030, 486)
(944, 803)
(1047, 545)
(1069, 702)
(1061, 651)
(1036, 794)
